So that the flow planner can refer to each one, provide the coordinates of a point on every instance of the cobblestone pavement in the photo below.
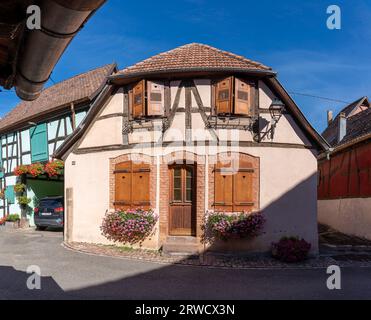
(264, 261)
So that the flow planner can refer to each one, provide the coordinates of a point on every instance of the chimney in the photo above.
(330, 117)
(342, 127)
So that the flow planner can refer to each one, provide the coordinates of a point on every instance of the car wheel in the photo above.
(40, 228)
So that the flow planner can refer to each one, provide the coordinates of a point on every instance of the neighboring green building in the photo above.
(32, 131)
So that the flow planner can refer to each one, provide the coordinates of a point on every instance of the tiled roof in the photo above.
(191, 57)
(354, 123)
(357, 126)
(79, 88)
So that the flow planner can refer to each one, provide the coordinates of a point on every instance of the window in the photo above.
(182, 184)
(234, 96)
(234, 187)
(132, 185)
(146, 98)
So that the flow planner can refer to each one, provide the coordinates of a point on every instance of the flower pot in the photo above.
(12, 225)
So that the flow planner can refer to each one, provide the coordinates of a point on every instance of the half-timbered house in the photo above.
(192, 130)
(32, 131)
(344, 189)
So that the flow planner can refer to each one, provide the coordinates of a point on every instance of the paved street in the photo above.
(71, 275)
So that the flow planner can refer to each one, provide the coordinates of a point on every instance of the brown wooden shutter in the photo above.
(123, 186)
(243, 98)
(141, 186)
(223, 196)
(156, 99)
(138, 99)
(224, 95)
(243, 190)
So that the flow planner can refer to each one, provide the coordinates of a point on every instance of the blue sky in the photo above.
(288, 35)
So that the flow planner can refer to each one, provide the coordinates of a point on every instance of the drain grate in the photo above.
(353, 257)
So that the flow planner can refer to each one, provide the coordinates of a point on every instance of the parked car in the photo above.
(49, 213)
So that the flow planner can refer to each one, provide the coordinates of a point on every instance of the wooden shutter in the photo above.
(156, 93)
(141, 186)
(243, 190)
(138, 99)
(39, 143)
(132, 186)
(224, 95)
(234, 190)
(123, 186)
(10, 194)
(223, 188)
(243, 98)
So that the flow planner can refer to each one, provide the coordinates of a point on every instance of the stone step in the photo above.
(181, 240)
(180, 249)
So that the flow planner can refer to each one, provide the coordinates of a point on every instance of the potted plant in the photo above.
(291, 249)
(19, 188)
(131, 226)
(12, 221)
(23, 201)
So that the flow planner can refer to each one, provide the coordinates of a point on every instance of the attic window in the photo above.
(234, 96)
(146, 99)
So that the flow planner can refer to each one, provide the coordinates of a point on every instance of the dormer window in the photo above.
(146, 99)
(234, 96)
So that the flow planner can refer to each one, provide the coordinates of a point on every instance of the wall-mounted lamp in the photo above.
(32, 123)
(276, 110)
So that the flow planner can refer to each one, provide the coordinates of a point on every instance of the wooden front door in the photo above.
(182, 220)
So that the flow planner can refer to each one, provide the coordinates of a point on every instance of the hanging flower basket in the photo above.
(23, 201)
(131, 226)
(19, 188)
(223, 226)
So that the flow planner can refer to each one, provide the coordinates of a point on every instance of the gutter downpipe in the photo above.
(61, 20)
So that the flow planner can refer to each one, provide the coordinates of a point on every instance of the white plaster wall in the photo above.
(288, 194)
(104, 132)
(108, 131)
(350, 216)
(116, 105)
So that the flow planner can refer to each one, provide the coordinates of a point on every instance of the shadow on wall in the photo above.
(292, 214)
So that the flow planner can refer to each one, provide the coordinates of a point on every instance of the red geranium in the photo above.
(20, 170)
(54, 168)
(36, 169)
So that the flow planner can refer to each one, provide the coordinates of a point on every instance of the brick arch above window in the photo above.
(183, 156)
(234, 182)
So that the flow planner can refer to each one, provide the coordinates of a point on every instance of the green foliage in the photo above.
(19, 187)
(12, 218)
(23, 200)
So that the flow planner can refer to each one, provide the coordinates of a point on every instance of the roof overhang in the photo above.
(314, 136)
(122, 79)
(345, 146)
(27, 57)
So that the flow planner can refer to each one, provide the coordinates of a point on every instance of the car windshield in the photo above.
(51, 203)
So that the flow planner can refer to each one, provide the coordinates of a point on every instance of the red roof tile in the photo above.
(78, 88)
(191, 57)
